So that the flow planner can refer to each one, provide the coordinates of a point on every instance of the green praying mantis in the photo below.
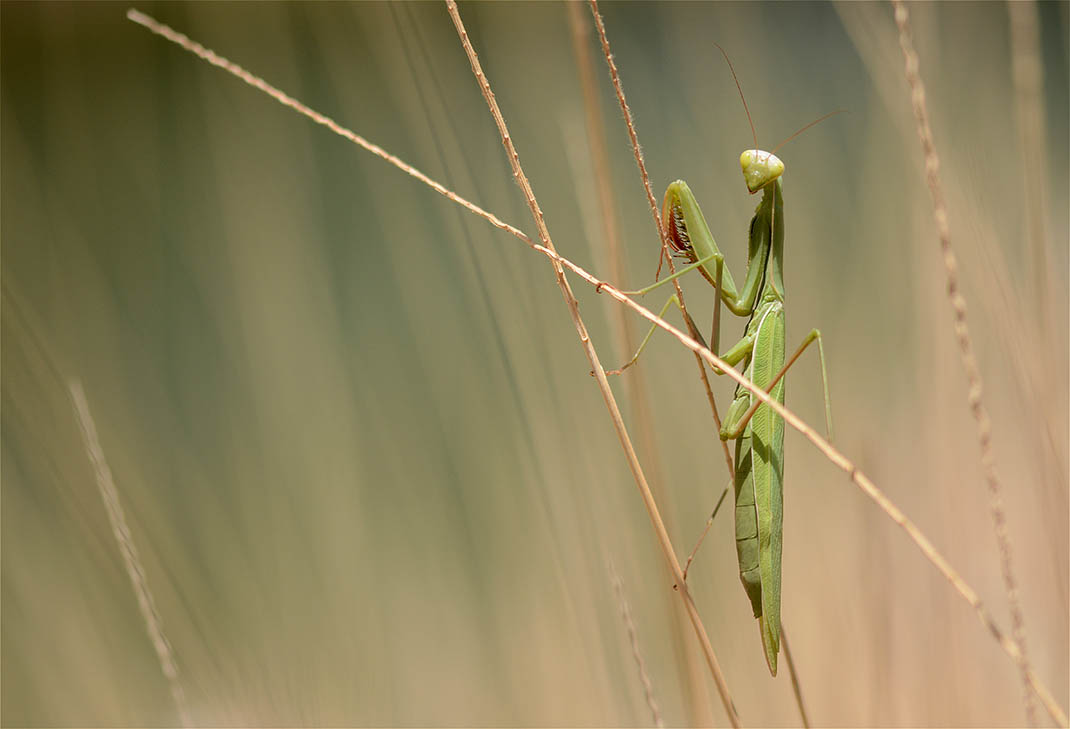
(756, 429)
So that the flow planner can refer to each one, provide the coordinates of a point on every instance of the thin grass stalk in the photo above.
(1006, 306)
(962, 334)
(599, 372)
(688, 663)
(637, 152)
(124, 541)
(795, 688)
(256, 82)
(633, 640)
(838, 459)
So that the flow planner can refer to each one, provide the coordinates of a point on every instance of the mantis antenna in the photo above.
(814, 122)
(741, 96)
(747, 109)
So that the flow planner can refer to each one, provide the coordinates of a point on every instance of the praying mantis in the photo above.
(757, 431)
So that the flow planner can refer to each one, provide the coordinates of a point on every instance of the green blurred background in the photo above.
(351, 426)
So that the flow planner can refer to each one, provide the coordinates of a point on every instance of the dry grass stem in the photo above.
(594, 125)
(600, 375)
(125, 542)
(689, 664)
(831, 453)
(962, 333)
(637, 152)
(256, 82)
(794, 677)
(633, 640)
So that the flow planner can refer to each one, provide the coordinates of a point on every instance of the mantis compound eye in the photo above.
(760, 168)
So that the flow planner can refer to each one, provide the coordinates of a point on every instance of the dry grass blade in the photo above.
(258, 83)
(599, 372)
(962, 333)
(689, 664)
(637, 152)
(125, 542)
(633, 641)
(794, 677)
(835, 456)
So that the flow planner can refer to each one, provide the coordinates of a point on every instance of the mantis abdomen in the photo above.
(759, 482)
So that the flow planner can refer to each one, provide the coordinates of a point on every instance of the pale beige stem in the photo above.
(637, 655)
(124, 540)
(637, 152)
(258, 83)
(596, 366)
(794, 677)
(962, 334)
(689, 663)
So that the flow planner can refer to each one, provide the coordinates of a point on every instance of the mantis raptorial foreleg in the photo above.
(689, 236)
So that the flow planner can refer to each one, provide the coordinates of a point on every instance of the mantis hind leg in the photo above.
(736, 419)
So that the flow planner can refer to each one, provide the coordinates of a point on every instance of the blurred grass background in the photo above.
(353, 433)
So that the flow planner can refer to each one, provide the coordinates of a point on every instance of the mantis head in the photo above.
(760, 168)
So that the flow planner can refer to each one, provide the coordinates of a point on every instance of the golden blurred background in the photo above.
(359, 452)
